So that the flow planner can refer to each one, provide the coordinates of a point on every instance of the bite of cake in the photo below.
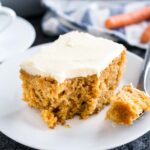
(75, 75)
(127, 105)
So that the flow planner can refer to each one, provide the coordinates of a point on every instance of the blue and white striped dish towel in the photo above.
(88, 16)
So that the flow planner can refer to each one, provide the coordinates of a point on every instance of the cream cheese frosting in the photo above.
(75, 54)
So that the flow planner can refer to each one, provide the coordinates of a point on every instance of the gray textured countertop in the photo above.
(142, 143)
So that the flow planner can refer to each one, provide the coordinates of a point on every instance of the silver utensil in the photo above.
(144, 74)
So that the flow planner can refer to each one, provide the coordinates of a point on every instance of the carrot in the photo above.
(128, 18)
(145, 37)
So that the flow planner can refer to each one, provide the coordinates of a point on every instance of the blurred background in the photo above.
(61, 16)
(25, 8)
(47, 19)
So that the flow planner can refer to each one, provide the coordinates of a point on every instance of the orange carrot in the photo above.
(145, 37)
(128, 18)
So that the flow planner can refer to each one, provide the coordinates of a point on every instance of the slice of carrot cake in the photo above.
(75, 75)
(127, 105)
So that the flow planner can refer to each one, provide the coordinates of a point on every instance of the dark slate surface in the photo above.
(142, 143)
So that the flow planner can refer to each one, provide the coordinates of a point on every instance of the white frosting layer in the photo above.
(72, 55)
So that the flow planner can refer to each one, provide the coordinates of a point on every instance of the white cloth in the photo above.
(88, 16)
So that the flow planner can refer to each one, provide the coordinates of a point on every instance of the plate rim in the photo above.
(18, 140)
(29, 43)
(33, 29)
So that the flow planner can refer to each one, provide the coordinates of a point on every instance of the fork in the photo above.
(145, 67)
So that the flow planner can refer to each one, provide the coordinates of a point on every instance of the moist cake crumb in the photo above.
(79, 93)
(128, 105)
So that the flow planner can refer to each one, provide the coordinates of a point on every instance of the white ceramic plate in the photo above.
(24, 124)
(16, 38)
